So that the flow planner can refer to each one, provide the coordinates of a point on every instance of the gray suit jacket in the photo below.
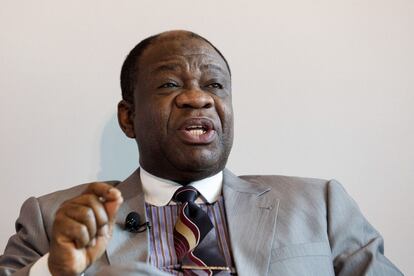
(278, 225)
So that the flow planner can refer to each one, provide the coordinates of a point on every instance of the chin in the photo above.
(198, 168)
(194, 163)
(199, 165)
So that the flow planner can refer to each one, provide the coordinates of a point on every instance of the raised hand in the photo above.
(82, 229)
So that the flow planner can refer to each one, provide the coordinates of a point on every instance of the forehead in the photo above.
(180, 50)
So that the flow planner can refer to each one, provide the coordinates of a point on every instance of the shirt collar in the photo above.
(159, 191)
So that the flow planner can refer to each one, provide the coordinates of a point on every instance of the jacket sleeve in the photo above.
(357, 248)
(28, 244)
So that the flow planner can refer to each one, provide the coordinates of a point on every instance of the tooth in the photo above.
(196, 132)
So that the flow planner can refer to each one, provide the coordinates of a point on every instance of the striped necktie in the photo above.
(195, 240)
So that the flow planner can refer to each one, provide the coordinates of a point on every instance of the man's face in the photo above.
(183, 119)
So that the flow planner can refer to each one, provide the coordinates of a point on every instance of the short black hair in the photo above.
(130, 68)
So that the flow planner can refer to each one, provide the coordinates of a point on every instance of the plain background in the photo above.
(320, 89)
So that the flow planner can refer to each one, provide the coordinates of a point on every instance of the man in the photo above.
(176, 89)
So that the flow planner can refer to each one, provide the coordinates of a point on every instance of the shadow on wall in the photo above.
(119, 154)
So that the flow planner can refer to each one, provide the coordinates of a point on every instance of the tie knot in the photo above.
(186, 194)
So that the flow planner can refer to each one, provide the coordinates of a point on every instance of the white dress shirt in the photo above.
(157, 192)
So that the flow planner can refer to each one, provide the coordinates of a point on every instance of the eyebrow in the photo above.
(174, 67)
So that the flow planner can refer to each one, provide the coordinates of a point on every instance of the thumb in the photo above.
(112, 203)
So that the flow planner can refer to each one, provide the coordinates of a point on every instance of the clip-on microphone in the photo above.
(132, 223)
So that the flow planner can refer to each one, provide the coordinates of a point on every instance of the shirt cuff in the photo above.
(40, 267)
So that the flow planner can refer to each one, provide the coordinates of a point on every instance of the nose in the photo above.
(194, 98)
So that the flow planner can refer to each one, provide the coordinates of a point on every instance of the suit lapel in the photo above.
(126, 247)
(251, 217)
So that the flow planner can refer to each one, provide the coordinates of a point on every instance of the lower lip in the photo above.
(205, 138)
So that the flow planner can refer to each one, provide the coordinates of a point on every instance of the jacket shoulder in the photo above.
(281, 183)
(296, 193)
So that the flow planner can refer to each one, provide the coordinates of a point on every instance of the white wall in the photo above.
(321, 88)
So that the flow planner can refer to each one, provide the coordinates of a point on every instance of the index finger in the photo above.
(104, 191)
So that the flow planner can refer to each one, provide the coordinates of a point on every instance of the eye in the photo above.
(215, 85)
(168, 85)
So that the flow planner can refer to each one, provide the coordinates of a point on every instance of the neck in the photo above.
(182, 177)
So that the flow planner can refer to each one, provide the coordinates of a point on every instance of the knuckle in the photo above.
(77, 231)
(83, 230)
(89, 199)
(89, 214)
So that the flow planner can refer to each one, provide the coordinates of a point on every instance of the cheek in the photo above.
(225, 112)
(152, 118)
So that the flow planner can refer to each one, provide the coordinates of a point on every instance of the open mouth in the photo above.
(197, 131)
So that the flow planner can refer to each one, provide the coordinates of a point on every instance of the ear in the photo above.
(126, 118)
